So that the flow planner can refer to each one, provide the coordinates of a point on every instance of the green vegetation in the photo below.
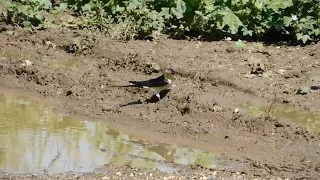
(297, 20)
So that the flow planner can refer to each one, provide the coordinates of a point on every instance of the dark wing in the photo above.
(156, 82)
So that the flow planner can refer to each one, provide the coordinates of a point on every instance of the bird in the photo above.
(161, 83)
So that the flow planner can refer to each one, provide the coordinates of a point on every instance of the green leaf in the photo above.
(230, 19)
(246, 32)
(180, 9)
(39, 17)
(165, 12)
(26, 23)
(303, 37)
(209, 8)
(260, 4)
(287, 21)
(46, 3)
(278, 4)
(316, 32)
(86, 7)
(62, 7)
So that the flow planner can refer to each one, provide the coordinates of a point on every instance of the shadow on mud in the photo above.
(153, 99)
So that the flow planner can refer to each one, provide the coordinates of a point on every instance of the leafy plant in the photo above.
(26, 13)
(298, 20)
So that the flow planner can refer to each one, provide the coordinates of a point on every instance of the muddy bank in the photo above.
(127, 172)
(213, 79)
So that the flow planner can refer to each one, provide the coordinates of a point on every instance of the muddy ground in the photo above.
(213, 78)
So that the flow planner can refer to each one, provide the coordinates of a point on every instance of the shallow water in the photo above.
(310, 120)
(35, 139)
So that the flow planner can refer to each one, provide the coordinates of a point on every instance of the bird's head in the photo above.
(170, 73)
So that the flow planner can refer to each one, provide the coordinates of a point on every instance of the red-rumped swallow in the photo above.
(158, 84)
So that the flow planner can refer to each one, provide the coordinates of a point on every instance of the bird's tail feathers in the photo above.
(138, 83)
(135, 84)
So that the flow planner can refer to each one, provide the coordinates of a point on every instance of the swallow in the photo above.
(163, 82)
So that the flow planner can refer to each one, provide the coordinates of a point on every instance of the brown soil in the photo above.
(200, 111)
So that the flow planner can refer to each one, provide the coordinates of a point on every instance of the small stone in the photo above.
(156, 66)
(150, 174)
(105, 178)
(171, 177)
(27, 62)
(281, 71)
(250, 76)
(131, 175)
(228, 39)
(118, 173)
(203, 178)
(165, 178)
(10, 32)
(236, 110)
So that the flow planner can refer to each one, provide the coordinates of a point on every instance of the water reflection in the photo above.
(311, 120)
(34, 139)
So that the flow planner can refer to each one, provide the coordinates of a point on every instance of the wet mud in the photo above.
(205, 110)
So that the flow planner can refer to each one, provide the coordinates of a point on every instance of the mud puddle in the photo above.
(34, 139)
(310, 120)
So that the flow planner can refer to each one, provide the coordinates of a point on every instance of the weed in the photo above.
(127, 19)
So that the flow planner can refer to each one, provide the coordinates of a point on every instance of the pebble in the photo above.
(118, 173)
(168, 178)
(27, 62)
(203, 178)
(105, 178)
(150, 174)
(131, 175)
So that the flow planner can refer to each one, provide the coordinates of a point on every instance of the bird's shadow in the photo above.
(152, 99)
(315, 88)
